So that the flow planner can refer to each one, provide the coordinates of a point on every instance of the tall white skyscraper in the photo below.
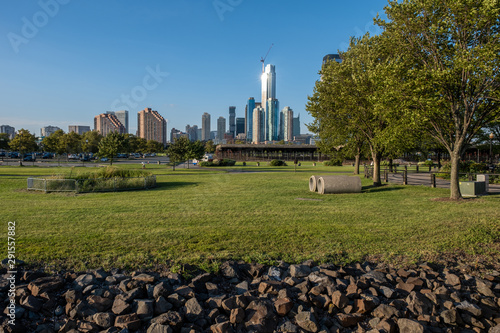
(268, 83)
(270, 103)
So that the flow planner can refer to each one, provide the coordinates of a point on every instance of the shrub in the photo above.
(333, 162)
(224, 162)
(277, 163)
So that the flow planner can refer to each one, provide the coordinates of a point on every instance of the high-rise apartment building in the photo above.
(48, 130)
(286, 124)
(221, 128)
(122, 117)
(151, 126)
(11, 131)
(232, 120)
(258, 125)
(78, 129)
(240, 126)
(205, 127)
(106, 123)
(192, 132)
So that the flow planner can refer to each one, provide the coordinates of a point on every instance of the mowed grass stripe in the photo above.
(197, 216)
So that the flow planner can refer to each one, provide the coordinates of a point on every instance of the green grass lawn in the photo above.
(204, 216)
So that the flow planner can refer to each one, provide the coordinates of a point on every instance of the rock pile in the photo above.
(255, 298)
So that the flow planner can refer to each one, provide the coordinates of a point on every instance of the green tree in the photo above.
(110, 145)
(348, 104)
(210, 147)
(135, 144)
(23, 142)
(4, 141)
(195, 150)
(153, 146)
(178, 150)
(54, 143)
(446, 68)
(90, 142)
(72, 143)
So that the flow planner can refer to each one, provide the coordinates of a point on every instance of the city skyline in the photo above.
(180, 58)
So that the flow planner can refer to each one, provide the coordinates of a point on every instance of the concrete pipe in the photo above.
(313, 182)
(338, 184)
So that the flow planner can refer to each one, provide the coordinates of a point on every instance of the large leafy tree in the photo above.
(111, 145)
(72, 143)
(90, 142)
(135, 144)
(446, 68)
(348, 103)
(23, 142)
(178, 150)
(195, 150)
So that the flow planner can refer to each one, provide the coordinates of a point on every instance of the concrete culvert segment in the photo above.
(338, 184)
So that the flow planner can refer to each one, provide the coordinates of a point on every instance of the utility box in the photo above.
(486, 180)
(472, 189)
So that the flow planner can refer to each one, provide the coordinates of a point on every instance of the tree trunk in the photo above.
(356, 164)
(376, 169)
(454, 177)
(391, 165)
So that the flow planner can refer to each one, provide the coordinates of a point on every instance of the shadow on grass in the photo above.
(172, 185)
(376, 189)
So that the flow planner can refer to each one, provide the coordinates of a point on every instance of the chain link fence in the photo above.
(91, 185)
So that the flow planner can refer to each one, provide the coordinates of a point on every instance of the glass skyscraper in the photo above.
(249, 117)
(272, 119)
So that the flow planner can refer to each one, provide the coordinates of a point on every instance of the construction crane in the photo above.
(262, 60)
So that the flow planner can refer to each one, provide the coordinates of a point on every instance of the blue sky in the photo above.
(62, 62)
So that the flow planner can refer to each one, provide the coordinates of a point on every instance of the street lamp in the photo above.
(491, 142)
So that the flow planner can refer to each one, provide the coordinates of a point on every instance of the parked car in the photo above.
(122, 155)
(47, 155)
(29, 158)
(85, 158)
(13, 154)
(72, 156)
(104, 159)
(2, 154)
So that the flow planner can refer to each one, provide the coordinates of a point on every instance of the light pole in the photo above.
(491, 144)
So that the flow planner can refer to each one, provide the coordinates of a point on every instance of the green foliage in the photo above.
(215, 163)
(153, 146)
(464, 167)
(111, 172)
(90, 142)
(23, 142)
(111, 145)
(210, 147)
(277, 163)
(445, 71)
(333, 162)
(4, 141)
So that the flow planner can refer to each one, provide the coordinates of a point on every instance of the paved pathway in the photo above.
(425, 179)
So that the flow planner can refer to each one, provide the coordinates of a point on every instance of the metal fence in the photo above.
(91, 185)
